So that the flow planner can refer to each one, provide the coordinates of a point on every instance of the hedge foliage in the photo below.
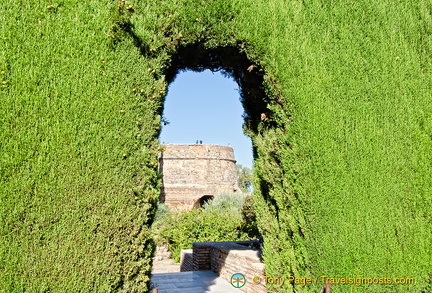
(78, 151)
(338, 104)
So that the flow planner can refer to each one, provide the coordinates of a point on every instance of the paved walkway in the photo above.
(162, 262)
(166, 276)
(165, 266)
(191, 282)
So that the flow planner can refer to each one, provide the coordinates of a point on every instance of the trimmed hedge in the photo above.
(338, 106)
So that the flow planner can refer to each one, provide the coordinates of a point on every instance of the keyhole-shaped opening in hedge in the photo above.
(203, 120)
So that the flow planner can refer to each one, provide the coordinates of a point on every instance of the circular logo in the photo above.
(238, 280)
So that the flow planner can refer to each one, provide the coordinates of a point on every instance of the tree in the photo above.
(244, 178)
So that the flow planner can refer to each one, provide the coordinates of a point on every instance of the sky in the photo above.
(206, 106)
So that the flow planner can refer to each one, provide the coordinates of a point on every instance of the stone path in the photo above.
(191, 282)
(162, 263)
(167, 278)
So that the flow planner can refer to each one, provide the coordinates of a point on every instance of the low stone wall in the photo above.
(186, 260)
(229, 258)
(201, 256)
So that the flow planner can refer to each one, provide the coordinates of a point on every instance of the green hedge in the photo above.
(79, 152)
(337, 104)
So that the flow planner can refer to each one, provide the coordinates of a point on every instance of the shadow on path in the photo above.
(191, 282)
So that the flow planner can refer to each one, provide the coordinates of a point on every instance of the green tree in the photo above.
(244, 178)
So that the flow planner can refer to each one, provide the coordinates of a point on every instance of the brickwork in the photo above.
(201, 256)
(228, 258)
(186, 260)
(190, 172)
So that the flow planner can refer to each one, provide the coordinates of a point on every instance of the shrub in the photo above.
(226, 201)
(201, 225)
(249, 225)
(161, 217)
(162, 214)
(226, 218)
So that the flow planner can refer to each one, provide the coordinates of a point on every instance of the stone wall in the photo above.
(190, 172)
(229, 258)
(186, 260)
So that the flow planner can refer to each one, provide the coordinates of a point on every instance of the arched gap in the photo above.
(204, 116)
(203, 200)
(233, 62)
(257, 96)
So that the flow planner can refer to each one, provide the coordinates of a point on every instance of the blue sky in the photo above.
(205, 106)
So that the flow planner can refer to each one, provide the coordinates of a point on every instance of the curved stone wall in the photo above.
(192, 171)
